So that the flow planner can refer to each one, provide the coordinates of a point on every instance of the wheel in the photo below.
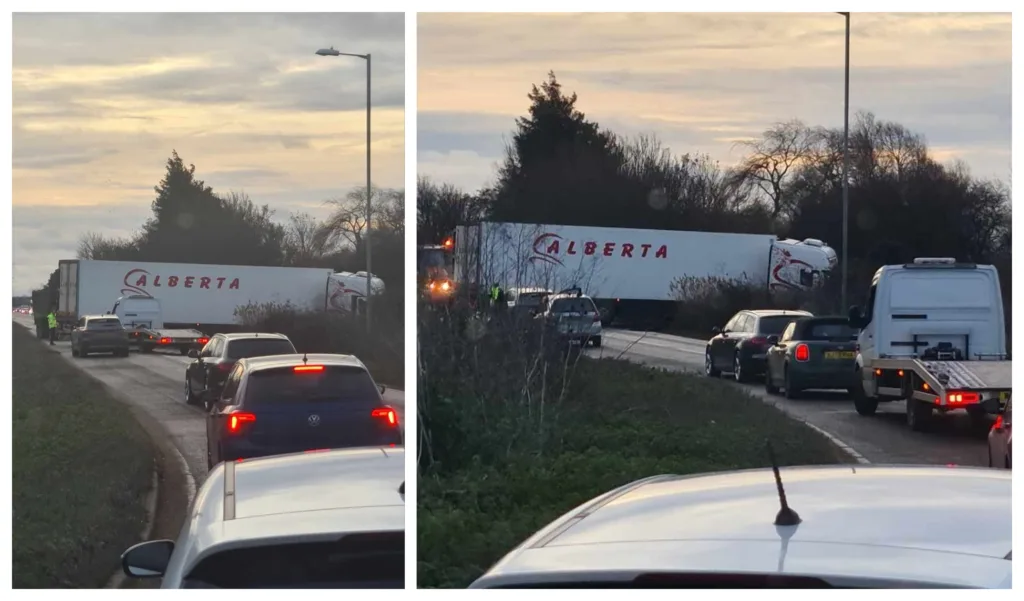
(792, 390)
(919, 414)
(861, 402)
(709, 365)
(74, 352)
(769, 387)
(597, 341)
(737, 369)
(123, 353)
(83, 352)
(145, 348)
(190, 399)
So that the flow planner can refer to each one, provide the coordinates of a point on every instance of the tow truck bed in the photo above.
(987, 378)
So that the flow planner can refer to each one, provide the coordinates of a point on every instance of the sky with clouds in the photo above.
(701, 82)
(101, 100)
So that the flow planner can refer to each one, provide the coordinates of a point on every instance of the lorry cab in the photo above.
(932, 304)
(137, 311)
(799, 265)
(346, 291)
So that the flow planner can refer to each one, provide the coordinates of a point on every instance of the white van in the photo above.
(932, 332)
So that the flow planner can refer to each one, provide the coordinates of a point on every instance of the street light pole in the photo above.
(846, 164)
(369, 190)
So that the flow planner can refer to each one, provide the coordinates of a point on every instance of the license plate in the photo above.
(840, 355)
(575, 342)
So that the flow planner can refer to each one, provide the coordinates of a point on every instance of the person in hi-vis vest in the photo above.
(51, 321)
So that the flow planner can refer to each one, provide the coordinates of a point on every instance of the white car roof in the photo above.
(947, 526)
(297, 497)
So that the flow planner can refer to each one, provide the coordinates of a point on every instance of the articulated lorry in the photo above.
(153, 297)
(629, 272)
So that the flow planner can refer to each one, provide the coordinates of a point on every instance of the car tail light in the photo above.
(759, 340)
(998, 425)
(225, 366)
(306, 368)
(386, 414)
(203, 340)
(963, 397)
(165, 341)
(237, 420)
(803, 352)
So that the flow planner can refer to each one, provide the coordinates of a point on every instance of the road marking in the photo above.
(839, 443)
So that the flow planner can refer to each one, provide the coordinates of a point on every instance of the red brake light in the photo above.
(963, 397)
(387, 414)
(999, 423)
(235, 421)
(225, 366)
(301, 368)
(758, 340)
(203, 340)
(803, 353)
(165, 341)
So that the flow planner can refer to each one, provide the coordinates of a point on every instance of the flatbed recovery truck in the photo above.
(933, 334)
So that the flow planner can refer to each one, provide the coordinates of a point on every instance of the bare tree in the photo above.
(347, 223)
(781, 149)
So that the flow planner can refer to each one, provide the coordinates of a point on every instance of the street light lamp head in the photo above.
(328, 52)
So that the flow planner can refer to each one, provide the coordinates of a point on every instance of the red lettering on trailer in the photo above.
(136, 282)
(547, 247)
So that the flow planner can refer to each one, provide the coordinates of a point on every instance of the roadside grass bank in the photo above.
(616, 422)
(82, 467)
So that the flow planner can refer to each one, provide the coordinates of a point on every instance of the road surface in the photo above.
(884, 438)
(156, 383)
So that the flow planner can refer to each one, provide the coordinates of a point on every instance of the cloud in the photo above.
(101, 99)
(703, 81)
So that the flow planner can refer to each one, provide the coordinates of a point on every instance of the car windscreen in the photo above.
(573, 305)
(773, 325)
(838, 329)
(104, 323)
(367, 560)
(259, 347)
(310, 383)
(530, 299)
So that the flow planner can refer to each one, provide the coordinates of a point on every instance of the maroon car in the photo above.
(999, 439)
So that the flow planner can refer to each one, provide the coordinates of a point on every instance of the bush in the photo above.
(383, 351)
(515, 432)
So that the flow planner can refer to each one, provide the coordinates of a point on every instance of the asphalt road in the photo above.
(156, 383)
(884, 438)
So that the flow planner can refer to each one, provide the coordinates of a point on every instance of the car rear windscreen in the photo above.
(838, 329)
(365, 560)
(573, 305)
(331, 384)
(530, 299)
(774, 325)
(256, 347)
(104, 324)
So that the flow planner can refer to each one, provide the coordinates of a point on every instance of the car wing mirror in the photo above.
(716, 330)
(147, 560)
(193, 354)
(382, 388)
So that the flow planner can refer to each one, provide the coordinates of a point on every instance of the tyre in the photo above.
(738, 373)
(74, 352)
(792, 390)
(122, 353)
(919, 415)
(709, 365)
(83, 352)
(768, 386)
(145, 348)
(864, 405)
(190, 399)
(597, 341)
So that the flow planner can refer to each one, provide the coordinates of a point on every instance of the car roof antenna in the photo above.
(304, 358)
(786, 516)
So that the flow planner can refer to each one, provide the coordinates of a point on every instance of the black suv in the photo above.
(739, 347)
(205, 375)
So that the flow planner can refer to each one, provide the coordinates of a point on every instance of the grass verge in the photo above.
(81, 468)
(620, 422)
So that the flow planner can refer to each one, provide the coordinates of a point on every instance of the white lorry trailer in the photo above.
(932, 333)
(158, 296)
(629, 272)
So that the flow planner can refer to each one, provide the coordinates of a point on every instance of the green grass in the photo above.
(622, 422)
(81, 469)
